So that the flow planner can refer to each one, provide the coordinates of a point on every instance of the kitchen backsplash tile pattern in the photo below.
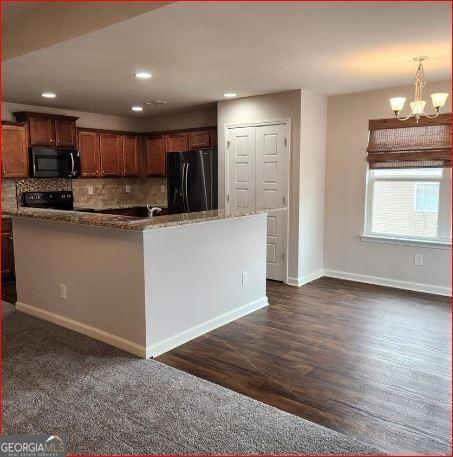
(106, 193)
(9, 202)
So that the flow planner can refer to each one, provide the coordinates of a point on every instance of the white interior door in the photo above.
(258, 178)
(241, 169)
(271, 189)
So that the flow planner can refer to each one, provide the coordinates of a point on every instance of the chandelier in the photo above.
(418, 105)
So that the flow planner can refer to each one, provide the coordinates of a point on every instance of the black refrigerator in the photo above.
(192, 181)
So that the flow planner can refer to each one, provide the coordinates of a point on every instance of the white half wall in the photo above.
(102, 270)
(344, 252)
(193, 278)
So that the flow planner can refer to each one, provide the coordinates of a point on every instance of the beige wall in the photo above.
(91, 120)
(267, 108)
(307, 112)
(347, 136)
(312, 184)
(204, 118)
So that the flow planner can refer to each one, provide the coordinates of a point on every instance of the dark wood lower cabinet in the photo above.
(7, 251)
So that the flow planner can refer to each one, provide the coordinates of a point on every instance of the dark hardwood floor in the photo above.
(368, 361)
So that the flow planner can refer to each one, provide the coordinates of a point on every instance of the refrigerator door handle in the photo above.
(185, 187)
(183, 174)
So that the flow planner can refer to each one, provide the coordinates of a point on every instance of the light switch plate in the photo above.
(90, 190)
(128, 188)
(162, 189)
(418, 259)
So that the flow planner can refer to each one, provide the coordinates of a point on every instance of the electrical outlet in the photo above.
(63, 293)
(128, 188)
(245, 278)
(90, 190)
(418, 259)
(162, 189)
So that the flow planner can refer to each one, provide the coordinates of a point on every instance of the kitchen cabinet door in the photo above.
(89, 154)
(177, 142)
(155, 155)
(199, 139)
(65, 133)
(7, 250)
(14, 151)
(130, 155)
(111, 152)
(42, 131)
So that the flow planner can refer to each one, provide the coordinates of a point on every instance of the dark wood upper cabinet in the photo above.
(155, 155)
(199, 139)
(7, 250)
(213, 138)
(130, 155)
(14, 151)
(65, 133)
(111, 152)
(41, 131)
(89, 154)
(46, 129)
(177, 142)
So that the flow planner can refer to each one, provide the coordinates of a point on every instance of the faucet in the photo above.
(153, 210)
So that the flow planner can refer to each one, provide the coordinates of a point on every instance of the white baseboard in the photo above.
(166, 345)
(305, 279)
(407, 285)
(85, 329)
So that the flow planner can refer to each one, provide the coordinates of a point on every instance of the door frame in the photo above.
(283, 121)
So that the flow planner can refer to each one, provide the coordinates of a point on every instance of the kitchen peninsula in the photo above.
(143, 285)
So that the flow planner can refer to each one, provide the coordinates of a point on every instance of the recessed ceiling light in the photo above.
(143, 75)
(156, 102)
(48, 95)
(229, 95)
(137, 108)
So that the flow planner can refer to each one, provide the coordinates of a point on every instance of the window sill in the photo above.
(406, 242)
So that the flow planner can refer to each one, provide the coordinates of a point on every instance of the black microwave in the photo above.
(54, 162)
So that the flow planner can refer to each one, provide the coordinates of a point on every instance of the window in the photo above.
(411, 203)
(427, 197)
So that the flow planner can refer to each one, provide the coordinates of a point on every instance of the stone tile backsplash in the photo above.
(111, 192)
(9, 202)
(107, 192)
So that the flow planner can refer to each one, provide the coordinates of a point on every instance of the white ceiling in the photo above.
(199, 50)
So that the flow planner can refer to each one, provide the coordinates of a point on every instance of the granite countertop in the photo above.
(113, 206)
(133, 223)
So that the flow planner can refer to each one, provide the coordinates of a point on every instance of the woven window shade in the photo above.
(400, 145)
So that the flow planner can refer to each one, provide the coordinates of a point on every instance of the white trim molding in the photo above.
(161, 347)
(80, 327)
(407, 242)
(302, 280)
(388, 282)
